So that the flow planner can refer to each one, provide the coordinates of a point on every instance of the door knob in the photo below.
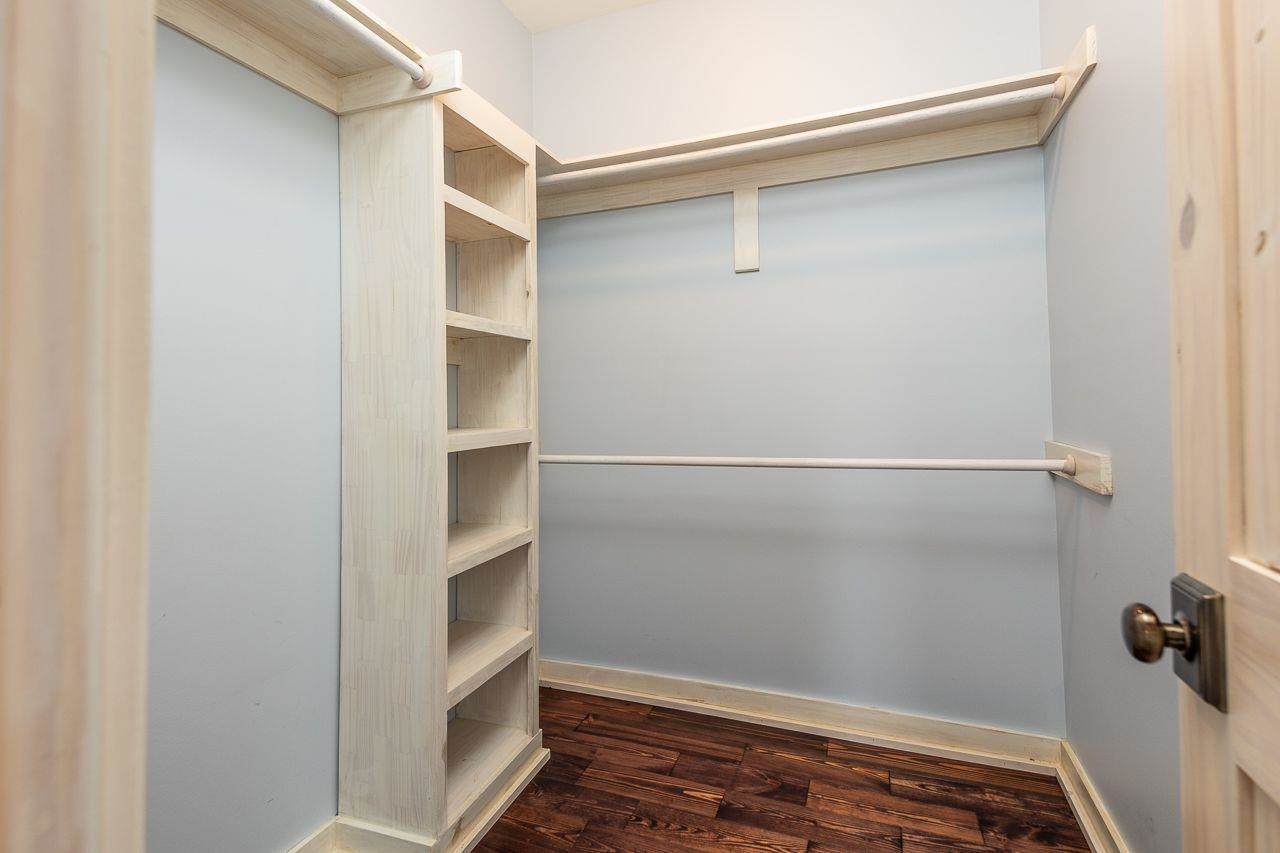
(1197, 632)
(1147, 637)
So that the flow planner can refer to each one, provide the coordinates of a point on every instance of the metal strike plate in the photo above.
(1203, 666)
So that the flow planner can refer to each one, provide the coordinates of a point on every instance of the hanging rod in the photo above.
(417, 69)
(1065, 466)
(795, 143)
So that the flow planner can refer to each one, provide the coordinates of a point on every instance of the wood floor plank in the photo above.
(563, 768)
(766, 782)
(703, 833)
(864, 755)
(684, 794)
(980, 798)
(525, 827)
(734, 732)
(877, 807)
(591, 746)
(711, 771)
(634, 778)
(591, 805)
(640, 732)
(791, 819)
(570, 702)
(798, 767)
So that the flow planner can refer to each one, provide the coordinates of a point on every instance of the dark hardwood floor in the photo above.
(641, 779)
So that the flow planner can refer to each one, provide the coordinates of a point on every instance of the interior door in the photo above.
(1223, 75)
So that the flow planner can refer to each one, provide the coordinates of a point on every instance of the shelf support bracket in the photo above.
(746, 229)
(1092, 469)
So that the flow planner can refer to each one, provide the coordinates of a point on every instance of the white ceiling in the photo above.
(539, 15)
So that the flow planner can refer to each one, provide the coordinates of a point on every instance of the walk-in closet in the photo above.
(622, 426)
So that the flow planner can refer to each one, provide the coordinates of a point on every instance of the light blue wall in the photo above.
(901, 313)
(1109, 338)
(242, 738)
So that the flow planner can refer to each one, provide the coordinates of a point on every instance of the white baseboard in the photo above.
(874, 726)
(1103, 834)
(942, 738)
(340, 835)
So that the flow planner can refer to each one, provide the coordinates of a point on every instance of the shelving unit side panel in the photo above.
(394, 483)
(531, 303)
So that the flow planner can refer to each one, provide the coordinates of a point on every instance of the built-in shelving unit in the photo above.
(440, 471)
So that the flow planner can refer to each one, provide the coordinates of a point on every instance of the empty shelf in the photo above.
(475, 439)
(466, 220)
(478, 754)
(460, 325)
(473, 544)
(478, 651)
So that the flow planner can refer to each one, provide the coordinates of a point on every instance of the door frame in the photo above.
(76, 80)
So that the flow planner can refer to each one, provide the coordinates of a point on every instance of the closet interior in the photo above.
(440, 200)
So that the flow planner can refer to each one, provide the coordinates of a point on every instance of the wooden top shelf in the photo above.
(467, 220)
(999, 115)
(480, 650)
(473, 544)
(478, 438)
(460, 325)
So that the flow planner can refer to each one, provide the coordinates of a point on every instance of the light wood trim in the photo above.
(375, 24)
(481, 437)
(75, 287)
(1077, 70)
(930, 148)
(217, 28)
(996, 747)
(1095, 821)
(549, 164)
(999, 115)
(1203, 242)
(746, 229)
(242, 38)
(1092, 470)
(381, 87)
(468, 220)
(351, 835)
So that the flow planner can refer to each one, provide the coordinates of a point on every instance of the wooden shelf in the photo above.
(467, 220)
(999, 115)
(473, 544)
(479, 650)
(478, 754)
(478, 438)
(460, 325)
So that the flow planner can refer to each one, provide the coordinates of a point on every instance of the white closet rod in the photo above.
(1064, 466)
(419, 71)
(832, 137)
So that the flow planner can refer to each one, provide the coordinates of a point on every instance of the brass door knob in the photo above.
(1147, 637)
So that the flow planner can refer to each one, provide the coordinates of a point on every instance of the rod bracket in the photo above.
(1086, 468)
